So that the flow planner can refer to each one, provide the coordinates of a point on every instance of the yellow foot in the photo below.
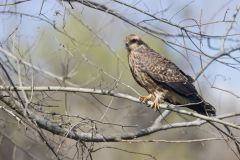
(144, 99)
(156, 104)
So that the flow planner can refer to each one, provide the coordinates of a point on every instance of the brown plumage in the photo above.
(162, 79)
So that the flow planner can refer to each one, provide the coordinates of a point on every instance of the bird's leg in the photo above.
(156, 104)
(157, 101)
(144, 99)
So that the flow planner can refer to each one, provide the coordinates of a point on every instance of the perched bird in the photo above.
(162, 79)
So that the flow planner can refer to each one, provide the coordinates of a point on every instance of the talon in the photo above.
(144, 99)
(156, 104)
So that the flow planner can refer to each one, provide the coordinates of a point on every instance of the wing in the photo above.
(166, 73)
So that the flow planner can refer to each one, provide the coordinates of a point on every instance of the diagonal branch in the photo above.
(166, 106)
(89, 137)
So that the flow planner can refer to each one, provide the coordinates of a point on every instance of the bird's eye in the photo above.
(134, 41)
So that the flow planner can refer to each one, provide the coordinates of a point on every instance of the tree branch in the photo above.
(57, 129)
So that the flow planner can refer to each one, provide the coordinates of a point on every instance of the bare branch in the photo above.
(56, 129)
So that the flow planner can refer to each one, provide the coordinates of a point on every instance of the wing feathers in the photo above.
(163, 71)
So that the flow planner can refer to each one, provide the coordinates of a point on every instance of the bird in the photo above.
(163, 80)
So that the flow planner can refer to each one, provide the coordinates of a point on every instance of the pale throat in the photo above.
(136, 46)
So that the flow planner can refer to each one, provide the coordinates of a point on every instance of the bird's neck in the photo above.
(141, 48)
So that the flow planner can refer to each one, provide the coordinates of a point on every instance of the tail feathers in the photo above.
(204, 109)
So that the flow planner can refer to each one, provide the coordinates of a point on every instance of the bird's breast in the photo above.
(134, 65)
(140, 76)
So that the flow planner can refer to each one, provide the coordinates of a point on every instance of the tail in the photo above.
(204, 108)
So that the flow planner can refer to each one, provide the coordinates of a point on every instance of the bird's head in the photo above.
(133, 42)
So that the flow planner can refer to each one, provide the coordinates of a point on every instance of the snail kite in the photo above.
(162, 78)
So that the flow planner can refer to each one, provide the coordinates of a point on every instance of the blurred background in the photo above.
(85, 46)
